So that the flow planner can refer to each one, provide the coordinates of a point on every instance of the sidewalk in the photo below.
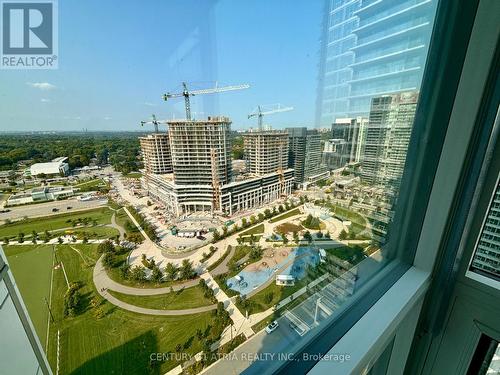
(240, 323)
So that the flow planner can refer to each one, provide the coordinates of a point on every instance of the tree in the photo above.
(267, 213)
(105, 247)
(6, 240)
(319, 234)
(244, 222)
(125, 270)
(138, 274)
(281, 208)
(60, 240)
(187, 270)
(308, 236)
(108, 260)
(20, 237)
(156, 274)
(85, 239)
(296, 237)
(285, 239)
(255, 253)
(215, 236)
(199, 334)
(171, 271)
(342, 235)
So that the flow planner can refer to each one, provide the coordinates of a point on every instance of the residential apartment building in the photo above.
(305, 155)
(266, 151)
(347, 142)
(387, 138)
(370, 48)
(199, 146)
(156, 154)
(486, 259)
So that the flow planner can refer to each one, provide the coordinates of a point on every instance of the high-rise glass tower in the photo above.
(370, 48)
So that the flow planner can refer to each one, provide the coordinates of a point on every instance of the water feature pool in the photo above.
(294, 264)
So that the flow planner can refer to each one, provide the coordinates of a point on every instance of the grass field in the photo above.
(183, 299)
(121, 341)
(288, 214)
(94, 232)
(32, 269)
(259, 229)
(271, 295)
(102, 215)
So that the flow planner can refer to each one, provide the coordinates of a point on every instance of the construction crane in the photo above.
(188, 93)
(260, 113)
(154, 121)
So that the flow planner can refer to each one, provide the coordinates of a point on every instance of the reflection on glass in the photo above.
(486, 259)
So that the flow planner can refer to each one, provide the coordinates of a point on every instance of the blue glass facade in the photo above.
(370, 48)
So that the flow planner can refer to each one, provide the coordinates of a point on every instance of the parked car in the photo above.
(272, 327)
(69, 208)
(55, 209)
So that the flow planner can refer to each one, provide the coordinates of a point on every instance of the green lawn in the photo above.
(358, 221)
(290, 213)
(220, 260)
(91, 185)
(101, 215)
(32, 269)
(352, 254)
(183, 299)
(262, 300)
(239, 253)
(258, 229)
(95, 232)
(120, 342)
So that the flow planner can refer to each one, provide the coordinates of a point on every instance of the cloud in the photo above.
(150, 104)
(45, 86)
(44, 100)
(107, 118)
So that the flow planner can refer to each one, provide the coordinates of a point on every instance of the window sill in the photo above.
(367, 339)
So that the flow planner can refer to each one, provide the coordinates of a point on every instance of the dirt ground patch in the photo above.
(270, 259)
(288, 228)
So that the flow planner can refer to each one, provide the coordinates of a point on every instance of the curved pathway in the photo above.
(103, 283)
(115, 225)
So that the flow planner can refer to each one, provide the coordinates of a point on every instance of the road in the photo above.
(45, 209)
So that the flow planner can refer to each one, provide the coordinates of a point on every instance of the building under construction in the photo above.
(266, 151)
(201, 178)
(156, 153)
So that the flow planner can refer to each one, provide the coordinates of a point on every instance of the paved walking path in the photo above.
(137, 225)
(240, 323)
(100, 280)
(115, 225)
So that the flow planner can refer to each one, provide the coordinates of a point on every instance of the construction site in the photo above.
(188, 167)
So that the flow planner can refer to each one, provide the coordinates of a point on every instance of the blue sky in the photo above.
(117, 58)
